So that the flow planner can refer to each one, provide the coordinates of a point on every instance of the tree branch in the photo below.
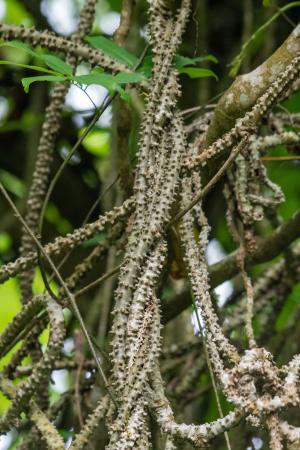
(247, 88)
(57, 44)
(267, 249)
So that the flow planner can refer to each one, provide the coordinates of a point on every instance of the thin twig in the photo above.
(236, 150)
(98, 281)
(211, 373)
(64, 286)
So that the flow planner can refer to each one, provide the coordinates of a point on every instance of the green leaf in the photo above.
(27, 81)
(124, 78)
(12, 183)
(94, 240)
(10, 306)
(288, 311)
(5, 242)
(96, 142)
(53, 216)
(182, 61)
(38, 285)
(124, 95)
(17, 14)
(27, 66)
(293, 103)
(237, 61)
(147, 66)
(106, 80)
(19, 46)
(57, 64)
(196, 72)
(52, 61)
(111, 49)
(266, 3)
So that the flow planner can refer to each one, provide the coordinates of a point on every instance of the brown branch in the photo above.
(126, 15)
(246, 102)
(267, 249)
(62, 244)
(58, 44)
(247, 88)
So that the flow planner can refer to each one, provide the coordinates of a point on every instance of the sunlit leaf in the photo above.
(20, 46)
(29, 80)
(27, 66)
(106, 80)
(10, 306)
(17, 14)
(97, 142)
(124, 78)
(5, 242)
(10, 302)
(111, 49)
(57, 64)
(197, 72)
(38, 285)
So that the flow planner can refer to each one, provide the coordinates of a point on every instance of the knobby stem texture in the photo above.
(172, 169)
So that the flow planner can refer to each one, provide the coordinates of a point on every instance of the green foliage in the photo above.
(292, 104)
(60, 71)
(237, 61)
(147, 66)
(53, 216)
(26, 66)
(57, 64)
(287, 312)
(5, 242)
(97, 142)
(12, 183)
(125, 78)
(103, 79)
(197, 72)
(55, 69)
(16, 13)
(182, 61)
(53, 62)
(10, 306)
(110, 82)
(20, 46)
(113, 50)
(182, 64)
(26, 82)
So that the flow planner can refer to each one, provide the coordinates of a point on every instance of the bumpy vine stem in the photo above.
(170, 170)
(50, 129)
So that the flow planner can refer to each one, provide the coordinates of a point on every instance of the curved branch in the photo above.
(247, 88)
(267, 249)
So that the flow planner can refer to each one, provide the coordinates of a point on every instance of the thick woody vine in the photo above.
(175, 166)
